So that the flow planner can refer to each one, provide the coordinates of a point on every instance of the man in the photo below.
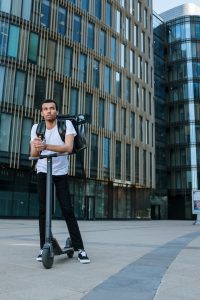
(53, 143)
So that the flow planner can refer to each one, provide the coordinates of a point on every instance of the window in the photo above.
(139, 67)
(68, 56)
(25, 136)
(90, 35)
(135, 36)
(2, 74)
(144, 98)
(95, 73)
(58, 94)
(141, 128)
(142, 41)
(132, 125)
(145, 18)
(118, 22)
(33, 47)
(82, 67)
(106, 154)
(137, 164)
(5, 5)
(101, 113)
(107, 82)
(108, 14)
(97, 9)
(132, 61)
(20, 87)
(45, 13)
(139, 11)
(123, 121)
(73, 101)
(77, 28)
(137, 93)
(51, 54)
(118, 84)
(127, 29)
(147, 131)
(3, 38)
(128, 162)
(62, 20)
(132, 7)
(5, 128)
(123, 55)
(102, 42)
(16, 8)
(13, 41)
(40, 91)
(144, 166)
(26, 9)
(88, 106)
(112, 117)
(128, 90)
(118, 160)
(85, 5)
(113, 48)
(94, 155)
(146, 78)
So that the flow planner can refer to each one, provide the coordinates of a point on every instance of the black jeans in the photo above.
(62, 192)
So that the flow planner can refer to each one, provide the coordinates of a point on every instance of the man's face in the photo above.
(49, 112)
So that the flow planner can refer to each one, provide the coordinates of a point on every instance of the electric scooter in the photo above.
(51, 246)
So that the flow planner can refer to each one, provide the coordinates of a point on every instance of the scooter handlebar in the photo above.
(47, 155)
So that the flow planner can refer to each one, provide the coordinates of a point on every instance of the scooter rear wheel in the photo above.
(47, 259)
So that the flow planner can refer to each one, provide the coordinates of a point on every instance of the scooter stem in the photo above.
(48, 200)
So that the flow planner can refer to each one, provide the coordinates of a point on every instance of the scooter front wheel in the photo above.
(47, 258)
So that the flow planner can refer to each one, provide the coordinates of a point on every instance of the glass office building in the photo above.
(92, 57)
(182, 88)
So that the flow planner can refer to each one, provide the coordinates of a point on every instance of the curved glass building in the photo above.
(93, 57)
(183, 103)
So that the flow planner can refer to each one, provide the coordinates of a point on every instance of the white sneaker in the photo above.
(39, 257)
(82, 257)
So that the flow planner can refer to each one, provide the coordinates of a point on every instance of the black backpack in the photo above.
(78, 121)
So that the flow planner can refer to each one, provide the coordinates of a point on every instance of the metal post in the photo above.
(48, 200)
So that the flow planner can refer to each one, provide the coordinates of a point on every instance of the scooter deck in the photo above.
(58, 250)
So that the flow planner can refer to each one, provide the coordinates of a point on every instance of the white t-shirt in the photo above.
(52, 137)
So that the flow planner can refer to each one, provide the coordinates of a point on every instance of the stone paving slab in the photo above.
(117, 249)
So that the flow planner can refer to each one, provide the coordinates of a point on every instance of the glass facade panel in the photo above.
(106, 154)
(77, 28)
(128, 162)
(25, 138)
(94, 155)
(82, 67)
(90, 35)
(107, 81)
(137, 163)
(132, 125)
(108, 13)
(98, 9)
(112, 118)
(26, 9)
(40, 91)
(95, 73)
(113, 48)
(118, 84)
(20, 88)
(102, 42)
(3, 38)
(85, 5)
(62, 12)
(73, 101)
(68, 56)
(16, 7)
(2, 74)
(101, 113)
(5, 127)
(13, 41)
(5, 5)
(51, 54)
(88, 106)
(33, 47)
(58, 94)
(118, 160)
(45, 13)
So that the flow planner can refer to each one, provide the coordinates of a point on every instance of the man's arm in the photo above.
(39, 145)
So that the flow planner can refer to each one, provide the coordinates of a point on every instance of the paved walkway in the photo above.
(133, 260)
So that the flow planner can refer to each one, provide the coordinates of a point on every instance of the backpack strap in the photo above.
(61, 124)
(40, 130)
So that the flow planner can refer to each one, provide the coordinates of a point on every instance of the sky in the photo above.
(162, 5)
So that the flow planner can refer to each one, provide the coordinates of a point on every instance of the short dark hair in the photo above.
(48, 101)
